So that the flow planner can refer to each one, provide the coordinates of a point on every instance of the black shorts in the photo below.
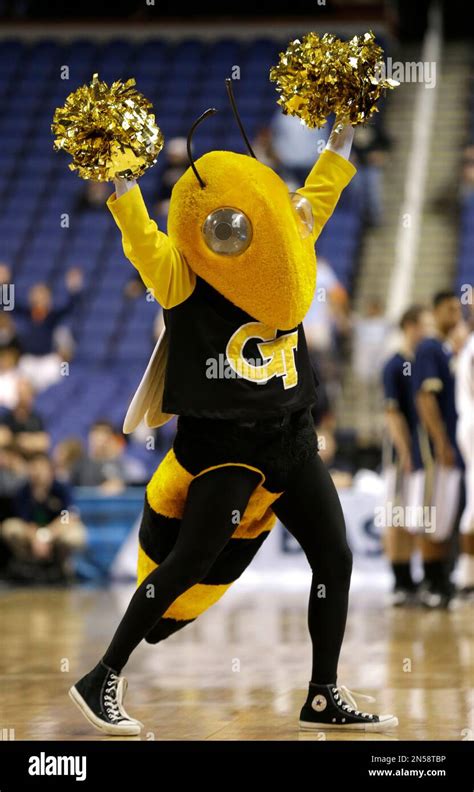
(275, 447)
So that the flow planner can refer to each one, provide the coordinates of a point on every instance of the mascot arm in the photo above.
(329, 176)
(161, 265)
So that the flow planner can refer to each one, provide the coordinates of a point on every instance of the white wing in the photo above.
(147, 401)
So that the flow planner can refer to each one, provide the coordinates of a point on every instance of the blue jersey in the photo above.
(433, 372)
(398, 392)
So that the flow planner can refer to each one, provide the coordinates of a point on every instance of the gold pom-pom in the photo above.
(109, 132)
(320, 75)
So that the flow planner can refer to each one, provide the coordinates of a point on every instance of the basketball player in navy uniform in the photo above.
(434, 388)
(402, 458)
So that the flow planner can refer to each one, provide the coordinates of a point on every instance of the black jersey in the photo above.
(222, 363)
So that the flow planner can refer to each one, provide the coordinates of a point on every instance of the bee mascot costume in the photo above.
(235, 276)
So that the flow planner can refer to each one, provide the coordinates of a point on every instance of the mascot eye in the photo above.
(304, 214)
(227, 231)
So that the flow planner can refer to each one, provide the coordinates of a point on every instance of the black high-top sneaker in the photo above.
(334, 707)
(99, 695)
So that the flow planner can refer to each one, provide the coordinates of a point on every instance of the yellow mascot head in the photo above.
(242, 232)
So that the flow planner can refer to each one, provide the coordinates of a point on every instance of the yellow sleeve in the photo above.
(324, 185)
(161, 265)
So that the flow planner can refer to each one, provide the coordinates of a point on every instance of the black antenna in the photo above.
(204, 115)
(230, 93)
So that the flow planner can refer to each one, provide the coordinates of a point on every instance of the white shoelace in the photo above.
(120, 697)
(110, 699)
(342, 695)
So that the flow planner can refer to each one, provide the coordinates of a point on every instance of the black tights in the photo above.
(311, 511)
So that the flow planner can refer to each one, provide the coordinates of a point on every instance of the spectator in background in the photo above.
(176, 164)
(327, 445)
(21, 425)
(9, 376)
(8, 333)
(134, 288)
(40, 362)
(369, 154)
(370, 337)
(371, 332)
(296, 147)
(45, 529)
(93, 196)
(103, 466)
(66, 456)
(326, 321)
(457, 187)
(5, 273)
(12, 476)
(263, 148)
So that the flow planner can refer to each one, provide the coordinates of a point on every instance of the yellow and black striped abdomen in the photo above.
(164, 504)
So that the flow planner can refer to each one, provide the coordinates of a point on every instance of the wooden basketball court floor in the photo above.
(240, 672)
